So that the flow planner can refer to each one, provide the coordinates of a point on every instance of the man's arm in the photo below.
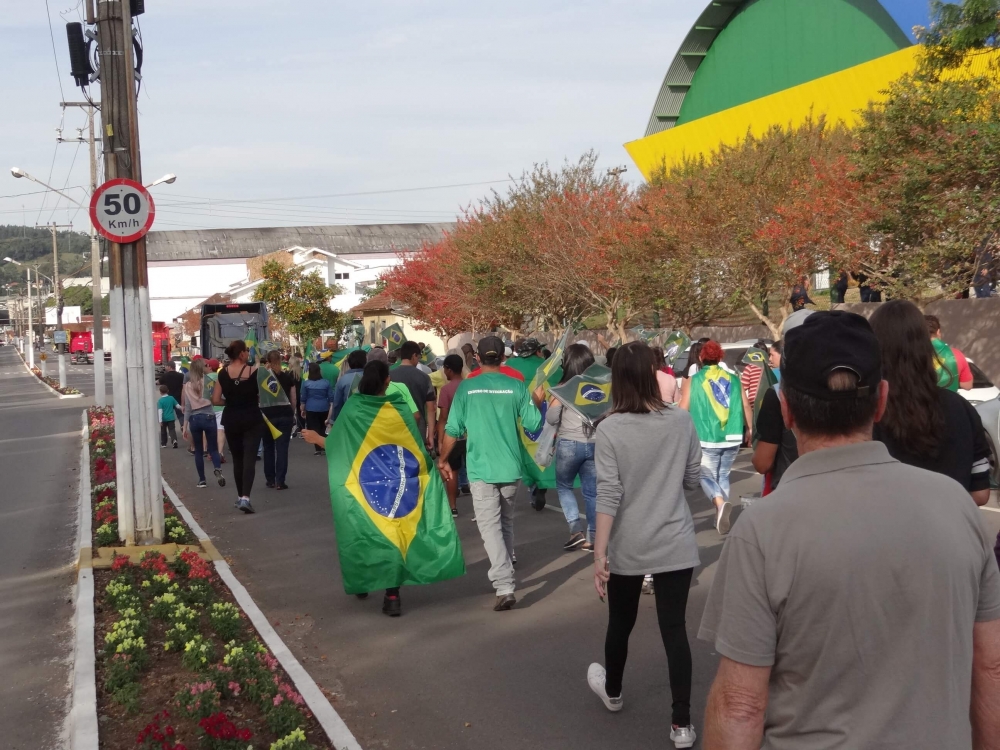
(734, 716)
(430, 409)
(442, 421)
(747, 411)
(985, 706)
(763, 456)
(965, 378)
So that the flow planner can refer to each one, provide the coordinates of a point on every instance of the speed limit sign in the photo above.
(122, 210)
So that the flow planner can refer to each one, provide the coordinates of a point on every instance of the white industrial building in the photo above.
(188, 266)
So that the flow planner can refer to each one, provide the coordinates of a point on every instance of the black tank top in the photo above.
(240, 393)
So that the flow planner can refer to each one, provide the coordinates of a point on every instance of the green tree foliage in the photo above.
(33, 246)
(960, 29)
(300, 301)
(83, 296)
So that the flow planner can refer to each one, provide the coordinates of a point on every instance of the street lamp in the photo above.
(19, 173)
(169, 179)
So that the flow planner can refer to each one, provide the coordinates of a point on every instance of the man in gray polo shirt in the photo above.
(858, 606)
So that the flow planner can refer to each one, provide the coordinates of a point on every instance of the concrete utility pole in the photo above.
(57, 292)
(140, 493)
(100, 392)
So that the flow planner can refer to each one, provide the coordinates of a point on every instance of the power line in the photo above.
(39, 192)
(55, 59)
(202, 200)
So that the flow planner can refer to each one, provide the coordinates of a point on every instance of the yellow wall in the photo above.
(840, 96)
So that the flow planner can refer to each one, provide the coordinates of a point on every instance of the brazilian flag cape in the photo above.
(394, 526)
(716, 406)
(945, 365)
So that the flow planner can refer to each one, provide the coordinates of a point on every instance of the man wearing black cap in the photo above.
(486, 409)
(859, 604)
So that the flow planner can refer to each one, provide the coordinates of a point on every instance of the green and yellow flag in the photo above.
(185, 364)
(674, 345)
(251, 342)
(945, 365)
(546, 372)
(394, 336)
(394, 526)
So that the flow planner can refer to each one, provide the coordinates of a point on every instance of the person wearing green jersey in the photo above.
(716, 408)
(950, 365)
(486, 409)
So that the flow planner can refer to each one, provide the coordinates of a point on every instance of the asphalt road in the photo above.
(451, 673)
(39, 461)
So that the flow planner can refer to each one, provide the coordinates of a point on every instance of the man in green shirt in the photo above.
(487, 409)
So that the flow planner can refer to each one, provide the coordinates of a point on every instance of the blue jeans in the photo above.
(204, 424)
(573, 459)
(276, 450)
(716, 463)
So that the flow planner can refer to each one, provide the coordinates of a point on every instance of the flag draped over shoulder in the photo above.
(759, 358)
(394, 526)
(270, 393)
(394, 335)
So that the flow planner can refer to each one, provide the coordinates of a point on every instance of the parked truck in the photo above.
(222, 322)
(81, 347)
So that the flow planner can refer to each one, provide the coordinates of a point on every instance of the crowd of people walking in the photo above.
(863, 550)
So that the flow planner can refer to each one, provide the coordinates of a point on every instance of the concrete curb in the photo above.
(82, 719)
(336, 730)
(45, 385)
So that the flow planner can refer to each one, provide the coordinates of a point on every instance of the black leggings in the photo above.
(671, 603)
(244, 438)
(316, 421)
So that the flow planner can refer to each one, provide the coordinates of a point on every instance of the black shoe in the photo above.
(202, 484)
(538, 499)
(465, 489)
(392, 606)
(269, 485)
(513, 558)
(175, 443)
(504, 603)
(282, 486)
(454, 512)
(218, 476)
(362, 596)
(575, 541)
(191, 451)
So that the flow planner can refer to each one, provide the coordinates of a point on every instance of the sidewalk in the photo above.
(518, 679)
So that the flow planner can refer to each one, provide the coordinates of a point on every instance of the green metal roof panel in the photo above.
(771, 45)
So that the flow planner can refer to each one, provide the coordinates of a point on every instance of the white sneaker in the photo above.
(722, 517)
(596, 676)
(683, 736)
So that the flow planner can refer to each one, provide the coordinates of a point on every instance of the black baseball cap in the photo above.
(491, 347)
(829, 341)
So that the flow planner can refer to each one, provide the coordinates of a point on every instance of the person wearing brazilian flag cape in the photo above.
(714, 400)
(394, 525)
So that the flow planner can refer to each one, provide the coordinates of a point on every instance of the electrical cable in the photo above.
(69, 174)
(49, 180)
(52, 36)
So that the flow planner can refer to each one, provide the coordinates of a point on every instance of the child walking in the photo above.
(168, 417)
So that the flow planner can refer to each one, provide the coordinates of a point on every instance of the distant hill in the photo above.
(34, 247)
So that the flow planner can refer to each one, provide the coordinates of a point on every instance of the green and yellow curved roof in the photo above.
(750, 64)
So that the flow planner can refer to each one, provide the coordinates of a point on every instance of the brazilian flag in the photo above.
(185, 364)
(394, 335)
(251, 342)
(394, 526)
(589, 394)
(674, 345)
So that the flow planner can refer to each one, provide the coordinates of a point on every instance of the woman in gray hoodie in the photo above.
(647, 453)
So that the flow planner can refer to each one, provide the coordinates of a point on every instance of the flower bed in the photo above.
(54, 384)
(179, 666)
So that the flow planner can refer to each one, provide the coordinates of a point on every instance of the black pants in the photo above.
(244, 433)
(316, 421)
(671, 591)
(165, 427)
(838, 294)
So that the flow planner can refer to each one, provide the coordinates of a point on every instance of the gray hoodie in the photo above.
(644, 463)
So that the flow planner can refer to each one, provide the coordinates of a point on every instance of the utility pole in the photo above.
(100, 392)
(57, 292)
(140, 493)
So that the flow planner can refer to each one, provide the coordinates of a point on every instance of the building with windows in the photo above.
(188, 266)
(747, 65)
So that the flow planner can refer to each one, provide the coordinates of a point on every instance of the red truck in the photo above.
(81, 347)
(161, 345)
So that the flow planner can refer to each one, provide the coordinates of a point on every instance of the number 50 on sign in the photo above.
(122, 210)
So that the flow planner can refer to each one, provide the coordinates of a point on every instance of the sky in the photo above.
(295, 108)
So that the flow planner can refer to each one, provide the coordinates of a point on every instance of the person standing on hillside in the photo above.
(713, 398)
(487, 409)
(420, 387)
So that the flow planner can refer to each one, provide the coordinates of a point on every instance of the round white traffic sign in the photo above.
(122, 210)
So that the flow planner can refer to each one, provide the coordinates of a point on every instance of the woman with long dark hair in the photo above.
(237, 390)
(925, 425)
(647, 453)
(575, 455)
(316, 402)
